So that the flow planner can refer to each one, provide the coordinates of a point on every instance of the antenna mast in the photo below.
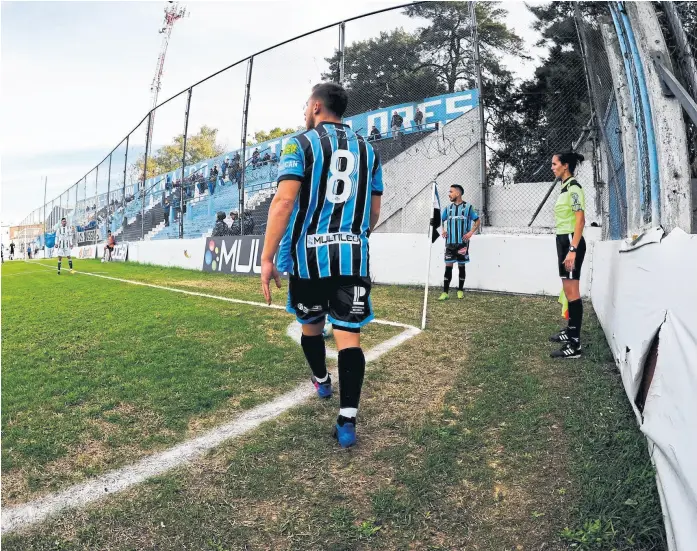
(173, 12)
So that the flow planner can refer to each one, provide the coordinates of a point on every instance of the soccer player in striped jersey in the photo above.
(64, 244)
(460, 221)
(328, 201)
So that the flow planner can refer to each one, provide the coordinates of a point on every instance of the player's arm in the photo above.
(474, 229)
(279, 215)
(475, 226)
(375, 204)
(290, 174)
(443, 218)
(376, 189)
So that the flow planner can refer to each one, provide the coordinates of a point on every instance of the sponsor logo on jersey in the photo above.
(289, 149)
(320, 239)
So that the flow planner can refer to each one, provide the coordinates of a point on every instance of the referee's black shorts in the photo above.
(563, 244)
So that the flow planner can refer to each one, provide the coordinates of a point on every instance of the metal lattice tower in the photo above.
(173, 12)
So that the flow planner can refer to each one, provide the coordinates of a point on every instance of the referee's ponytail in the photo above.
(570, 158)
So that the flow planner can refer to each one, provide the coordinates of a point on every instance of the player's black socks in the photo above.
(59, 265)
(463, 274)
(316, 354)
(575, 319)
(351, 372)
(448, 278)
(70, 264)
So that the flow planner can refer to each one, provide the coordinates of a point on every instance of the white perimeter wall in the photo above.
(500, 262)
(637, 294)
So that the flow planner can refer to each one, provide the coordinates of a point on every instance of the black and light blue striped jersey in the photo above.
(339, 172)
(457, 221)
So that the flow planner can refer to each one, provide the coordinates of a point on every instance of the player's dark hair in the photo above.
(570, 158)
(63, 218)
(459, 188)
(333, 97)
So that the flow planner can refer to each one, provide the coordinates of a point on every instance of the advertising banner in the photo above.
(233, 255)
(120, 252)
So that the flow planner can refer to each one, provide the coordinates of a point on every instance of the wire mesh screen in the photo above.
(277, 114)
(213, 137)
(530, 119)
(417, 111)
(412, 76)
(611, 198)
(117, 187)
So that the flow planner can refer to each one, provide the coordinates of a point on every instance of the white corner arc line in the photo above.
(79, 495)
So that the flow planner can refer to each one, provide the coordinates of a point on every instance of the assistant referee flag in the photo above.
(435, 221)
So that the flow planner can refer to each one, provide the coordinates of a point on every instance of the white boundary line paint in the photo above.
(24, 273)
(33, 512)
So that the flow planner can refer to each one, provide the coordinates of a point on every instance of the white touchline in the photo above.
(38, 510)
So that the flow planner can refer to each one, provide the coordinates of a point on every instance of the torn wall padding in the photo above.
(637, 293)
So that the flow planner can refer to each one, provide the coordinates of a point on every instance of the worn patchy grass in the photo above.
(470, 437)
(97, 373)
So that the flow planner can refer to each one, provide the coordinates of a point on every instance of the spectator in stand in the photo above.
(418, 118)
(274, 157)
(255, 158)
(230, 221)
(200, 182)
(220, 229)
(374, 134)
(168, 183)
(212, 179)
(166, 206)
(396, 124)
(266, 158)
(224, 169)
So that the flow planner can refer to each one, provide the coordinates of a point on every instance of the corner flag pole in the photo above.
(428, 262)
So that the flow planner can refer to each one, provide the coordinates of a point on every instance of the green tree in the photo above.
(446, 47)
(384, 71)
(552, 108)
(199, 147)
(263, 136)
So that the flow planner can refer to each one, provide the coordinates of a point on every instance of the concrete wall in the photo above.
(500, 262)
(639, 294)
(671, 139)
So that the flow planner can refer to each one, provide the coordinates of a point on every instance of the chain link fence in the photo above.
(414, 75)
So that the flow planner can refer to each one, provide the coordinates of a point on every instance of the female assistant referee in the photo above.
(571, 249)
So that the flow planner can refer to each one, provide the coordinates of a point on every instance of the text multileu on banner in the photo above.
(233, 254)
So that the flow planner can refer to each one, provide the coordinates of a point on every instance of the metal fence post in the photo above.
(181, 187)
(108, 194)
(96, 202)
(245, 116)
(482, 128)
(145, 177)
(342, 50)
(44, 235)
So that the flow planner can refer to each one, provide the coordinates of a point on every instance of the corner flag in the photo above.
(435, 221)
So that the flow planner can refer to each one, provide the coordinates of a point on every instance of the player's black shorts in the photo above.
(563, 244)
(344, 299)
(452, 254)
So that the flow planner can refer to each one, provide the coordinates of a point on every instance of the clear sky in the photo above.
(75, 78)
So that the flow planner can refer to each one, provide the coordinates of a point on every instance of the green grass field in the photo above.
(470, 437)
